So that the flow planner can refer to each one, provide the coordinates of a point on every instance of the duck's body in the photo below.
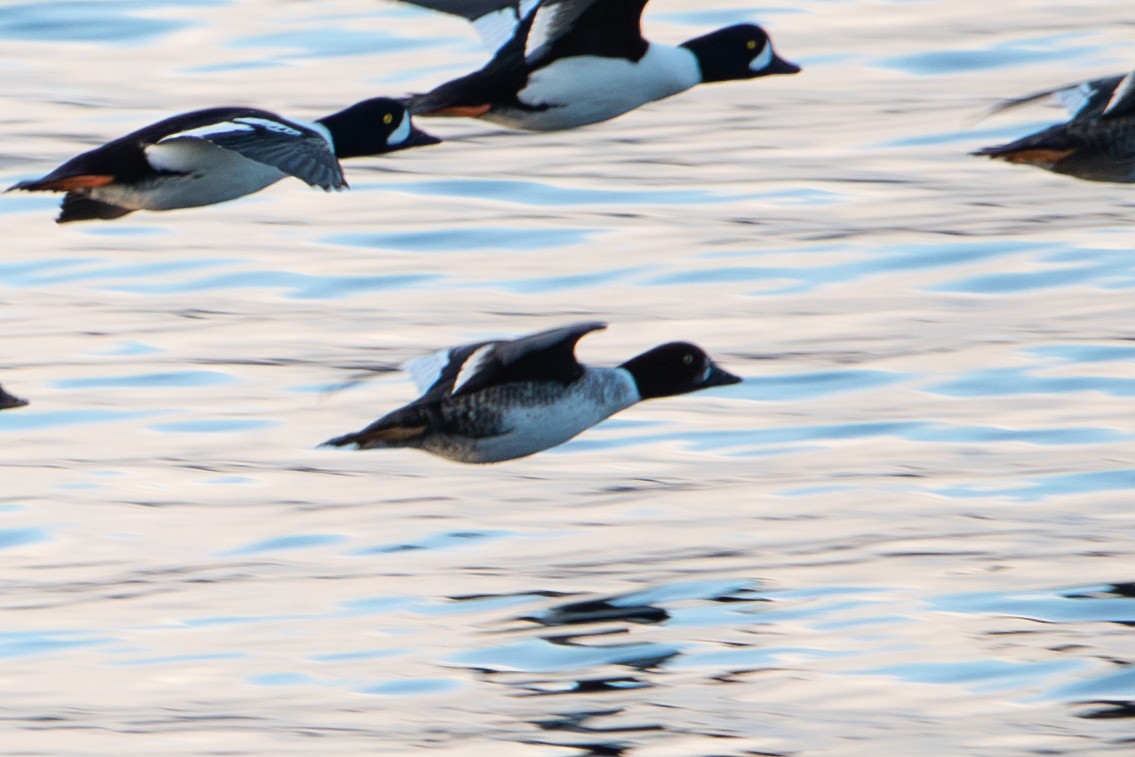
(1096, 144)
(208, 156)
(495, 401)
(512, 420)
(569, 63)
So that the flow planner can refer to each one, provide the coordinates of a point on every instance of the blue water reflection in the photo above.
(1018, 52)
(981, 674)
(1041, 487)
(289, 542)
(105, 21)
(1081, 605)
(24, 643)
(164, 380)
(459, 238)
(18, 537)
(1008, 381)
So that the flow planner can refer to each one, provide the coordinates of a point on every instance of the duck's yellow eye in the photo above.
(388, 119)
(688, 359)
(751, 44)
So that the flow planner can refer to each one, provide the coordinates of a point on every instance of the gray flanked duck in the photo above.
(499, 400)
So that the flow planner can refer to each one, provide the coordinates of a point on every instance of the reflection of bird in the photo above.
(9, 401)
(209, 156)
(568, 63)
(494, 401)
(1097, 144)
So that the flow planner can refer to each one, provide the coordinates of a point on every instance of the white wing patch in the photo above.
(1121, 93)
(542, 26)
(277, 126)
(497, 27)
(1073, 99)
(204, 132)
(761, 62)
(426, 370)
(472, 366)
(237, 124)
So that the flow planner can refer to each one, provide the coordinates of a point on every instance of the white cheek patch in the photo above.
(761, 62)
(402, 133)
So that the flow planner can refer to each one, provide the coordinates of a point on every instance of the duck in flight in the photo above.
(500, 400)
(217, 154)
(1096, 144)
(560, 64)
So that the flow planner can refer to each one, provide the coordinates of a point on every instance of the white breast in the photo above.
(211, 174)
(588, 89)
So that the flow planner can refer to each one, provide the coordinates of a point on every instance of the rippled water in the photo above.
(908, 532)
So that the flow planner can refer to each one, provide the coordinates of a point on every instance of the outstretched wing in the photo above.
(562, 28)
(546, 356)
(1087, 99)
(494, 20)
(1122, 100)
(124, 159)
(554, 27)
(294, 148)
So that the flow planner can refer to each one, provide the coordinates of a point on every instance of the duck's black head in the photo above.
(373, 127)
(743, 51)
(675, 368)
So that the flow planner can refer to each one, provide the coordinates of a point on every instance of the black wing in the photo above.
(546, 356)
(495, 20)
(124, 158)
(470, 9)
(1121, 101)
(294, 148)
(606, 28)
(1087, 99)
(556, 28)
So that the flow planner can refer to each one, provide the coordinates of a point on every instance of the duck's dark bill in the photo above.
(781, 66)
(719, 377)
(9, 401)
(419, 138)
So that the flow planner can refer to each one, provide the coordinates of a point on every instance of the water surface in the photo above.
(907, 532)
